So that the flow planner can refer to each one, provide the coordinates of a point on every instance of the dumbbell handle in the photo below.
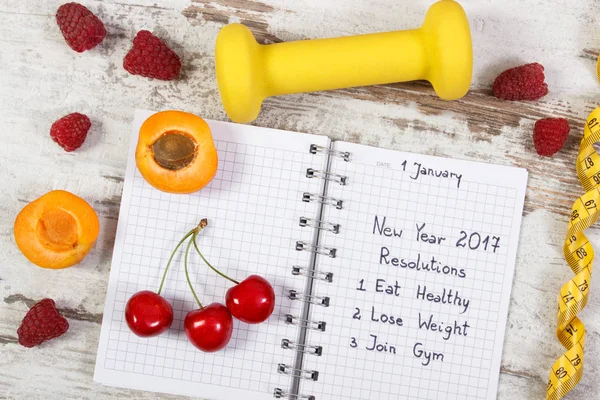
(325, 64)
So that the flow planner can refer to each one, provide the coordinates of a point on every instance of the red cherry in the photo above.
(251, 300)
(209, 328)
(148, 314)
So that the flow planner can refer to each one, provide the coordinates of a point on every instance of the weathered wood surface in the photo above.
(41, 79)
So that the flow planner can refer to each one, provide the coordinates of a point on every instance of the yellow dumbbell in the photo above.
(440, 52)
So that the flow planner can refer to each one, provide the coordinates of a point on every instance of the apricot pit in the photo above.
(175, 152)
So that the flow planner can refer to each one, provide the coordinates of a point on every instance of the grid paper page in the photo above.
(253, 206)
(399, 324)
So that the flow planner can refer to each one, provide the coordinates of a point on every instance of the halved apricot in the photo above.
(176, 152)
(57, 230)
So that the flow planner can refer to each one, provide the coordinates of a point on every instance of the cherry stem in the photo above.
(162, 282)
(198, 229)
(187, 274)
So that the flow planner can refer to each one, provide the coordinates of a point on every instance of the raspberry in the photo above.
(42, 323)
(521, 83)
(150, 57)
(70, 131)
(550, 135)
(80, 27)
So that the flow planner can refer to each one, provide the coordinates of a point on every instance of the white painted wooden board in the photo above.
(42, 79)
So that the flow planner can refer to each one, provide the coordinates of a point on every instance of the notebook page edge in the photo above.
(99, 371)
(523, 176)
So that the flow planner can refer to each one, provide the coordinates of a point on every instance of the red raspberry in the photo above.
(150, 57)
(521, 83)
(42, 323)
(70, 131)
(80, 27)
(550, 135)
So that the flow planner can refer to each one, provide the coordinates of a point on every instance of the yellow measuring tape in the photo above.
(568, 369)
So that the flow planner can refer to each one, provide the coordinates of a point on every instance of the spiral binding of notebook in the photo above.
(311, 273)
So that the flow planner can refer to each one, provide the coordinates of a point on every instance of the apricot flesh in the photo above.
(57, 230)
(175, 152)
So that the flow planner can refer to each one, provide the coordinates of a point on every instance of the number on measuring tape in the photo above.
(576, 361)
(561, 373)
(570, 329)
(590, 204)
(568, 297)
(581, 253)
(574, 215)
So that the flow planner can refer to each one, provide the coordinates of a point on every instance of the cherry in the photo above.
(251, 301)
(209, 328)
(148, 314)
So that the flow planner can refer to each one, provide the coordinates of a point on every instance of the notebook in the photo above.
(392, 271)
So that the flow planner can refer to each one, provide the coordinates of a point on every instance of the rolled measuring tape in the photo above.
(568, 369)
